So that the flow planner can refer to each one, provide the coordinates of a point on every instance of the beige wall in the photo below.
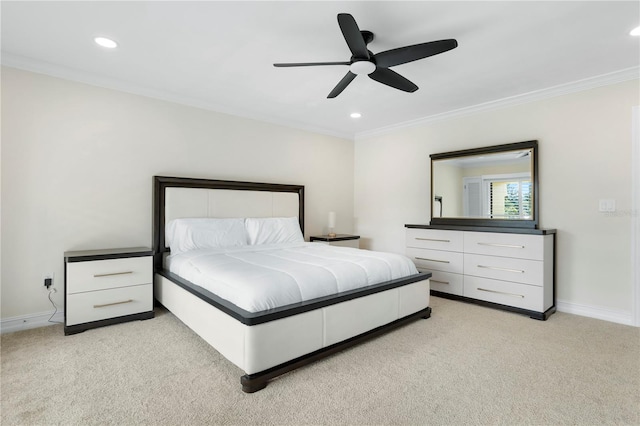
(78, 161)
(448, 185)
(584, 155)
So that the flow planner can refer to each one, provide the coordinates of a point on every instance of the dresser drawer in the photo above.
(504, 268)
(507, 245)
(505, 293)
(436, 260)
(106, 274)
(435, 239)
(103, 304)
(446, 282)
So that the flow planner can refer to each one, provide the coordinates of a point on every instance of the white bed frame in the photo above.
(269, 343)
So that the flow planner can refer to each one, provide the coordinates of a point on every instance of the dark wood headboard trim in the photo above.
(161, 183)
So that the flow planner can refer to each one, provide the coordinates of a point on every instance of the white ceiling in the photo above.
(219, 55)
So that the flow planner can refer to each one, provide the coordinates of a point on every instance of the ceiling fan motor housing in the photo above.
(367, 36)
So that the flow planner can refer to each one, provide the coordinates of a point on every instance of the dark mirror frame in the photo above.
(479, 222)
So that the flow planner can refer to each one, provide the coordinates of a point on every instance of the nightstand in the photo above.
(104, 287)
(343, 240)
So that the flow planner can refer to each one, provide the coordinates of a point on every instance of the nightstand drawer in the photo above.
(340, 240)
(103, 304)
(345, 243)
(110, 273)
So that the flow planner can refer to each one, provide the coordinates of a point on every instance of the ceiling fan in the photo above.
(377, 65)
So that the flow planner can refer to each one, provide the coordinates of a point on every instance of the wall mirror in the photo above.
(491, 186)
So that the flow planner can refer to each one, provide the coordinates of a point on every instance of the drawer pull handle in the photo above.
(432, 260)
(501, 292)
(501, 245)
(113, 273)
(433, 239)
(501, 269)
(114, 303)
(440, 282)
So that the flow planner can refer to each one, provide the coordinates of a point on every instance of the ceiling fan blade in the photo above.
(348, 78)
(310, 64)
(393, 79)
(402, 55)
(352, 36)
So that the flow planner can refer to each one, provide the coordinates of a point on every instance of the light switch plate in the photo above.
(607, 205)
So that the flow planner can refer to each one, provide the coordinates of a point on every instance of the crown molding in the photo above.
(551, 92)
(41, 67)
(65, 73)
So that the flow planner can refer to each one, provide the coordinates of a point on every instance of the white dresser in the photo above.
(511, 269)
(104, 287)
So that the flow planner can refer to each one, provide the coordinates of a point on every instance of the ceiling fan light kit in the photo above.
(377, 65)
(362, 67)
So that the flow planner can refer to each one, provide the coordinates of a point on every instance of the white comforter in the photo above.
(257, 278)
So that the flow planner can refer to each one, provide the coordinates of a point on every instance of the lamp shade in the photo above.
(332, 219)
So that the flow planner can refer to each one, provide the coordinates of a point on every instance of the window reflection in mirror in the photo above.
(487, 186)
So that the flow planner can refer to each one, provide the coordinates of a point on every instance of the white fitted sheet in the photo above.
(257, 278)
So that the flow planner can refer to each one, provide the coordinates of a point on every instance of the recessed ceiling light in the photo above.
(356, 115)
(105, 42)
(635, 32)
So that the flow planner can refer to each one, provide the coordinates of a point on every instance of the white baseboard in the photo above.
(26, 322)
(597, 312)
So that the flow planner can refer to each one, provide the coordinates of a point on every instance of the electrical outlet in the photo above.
(608, 205)
(47, 278)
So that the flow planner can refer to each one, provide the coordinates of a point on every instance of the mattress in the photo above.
(262, 277)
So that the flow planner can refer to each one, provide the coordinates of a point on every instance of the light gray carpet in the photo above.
(465, 365)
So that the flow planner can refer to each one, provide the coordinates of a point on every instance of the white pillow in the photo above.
(202, 233)
(273, 230)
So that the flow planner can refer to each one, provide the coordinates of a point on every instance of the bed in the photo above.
(298, 324)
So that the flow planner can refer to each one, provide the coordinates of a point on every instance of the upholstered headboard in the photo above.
(177, 197)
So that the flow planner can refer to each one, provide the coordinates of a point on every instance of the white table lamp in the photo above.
(332, 224)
